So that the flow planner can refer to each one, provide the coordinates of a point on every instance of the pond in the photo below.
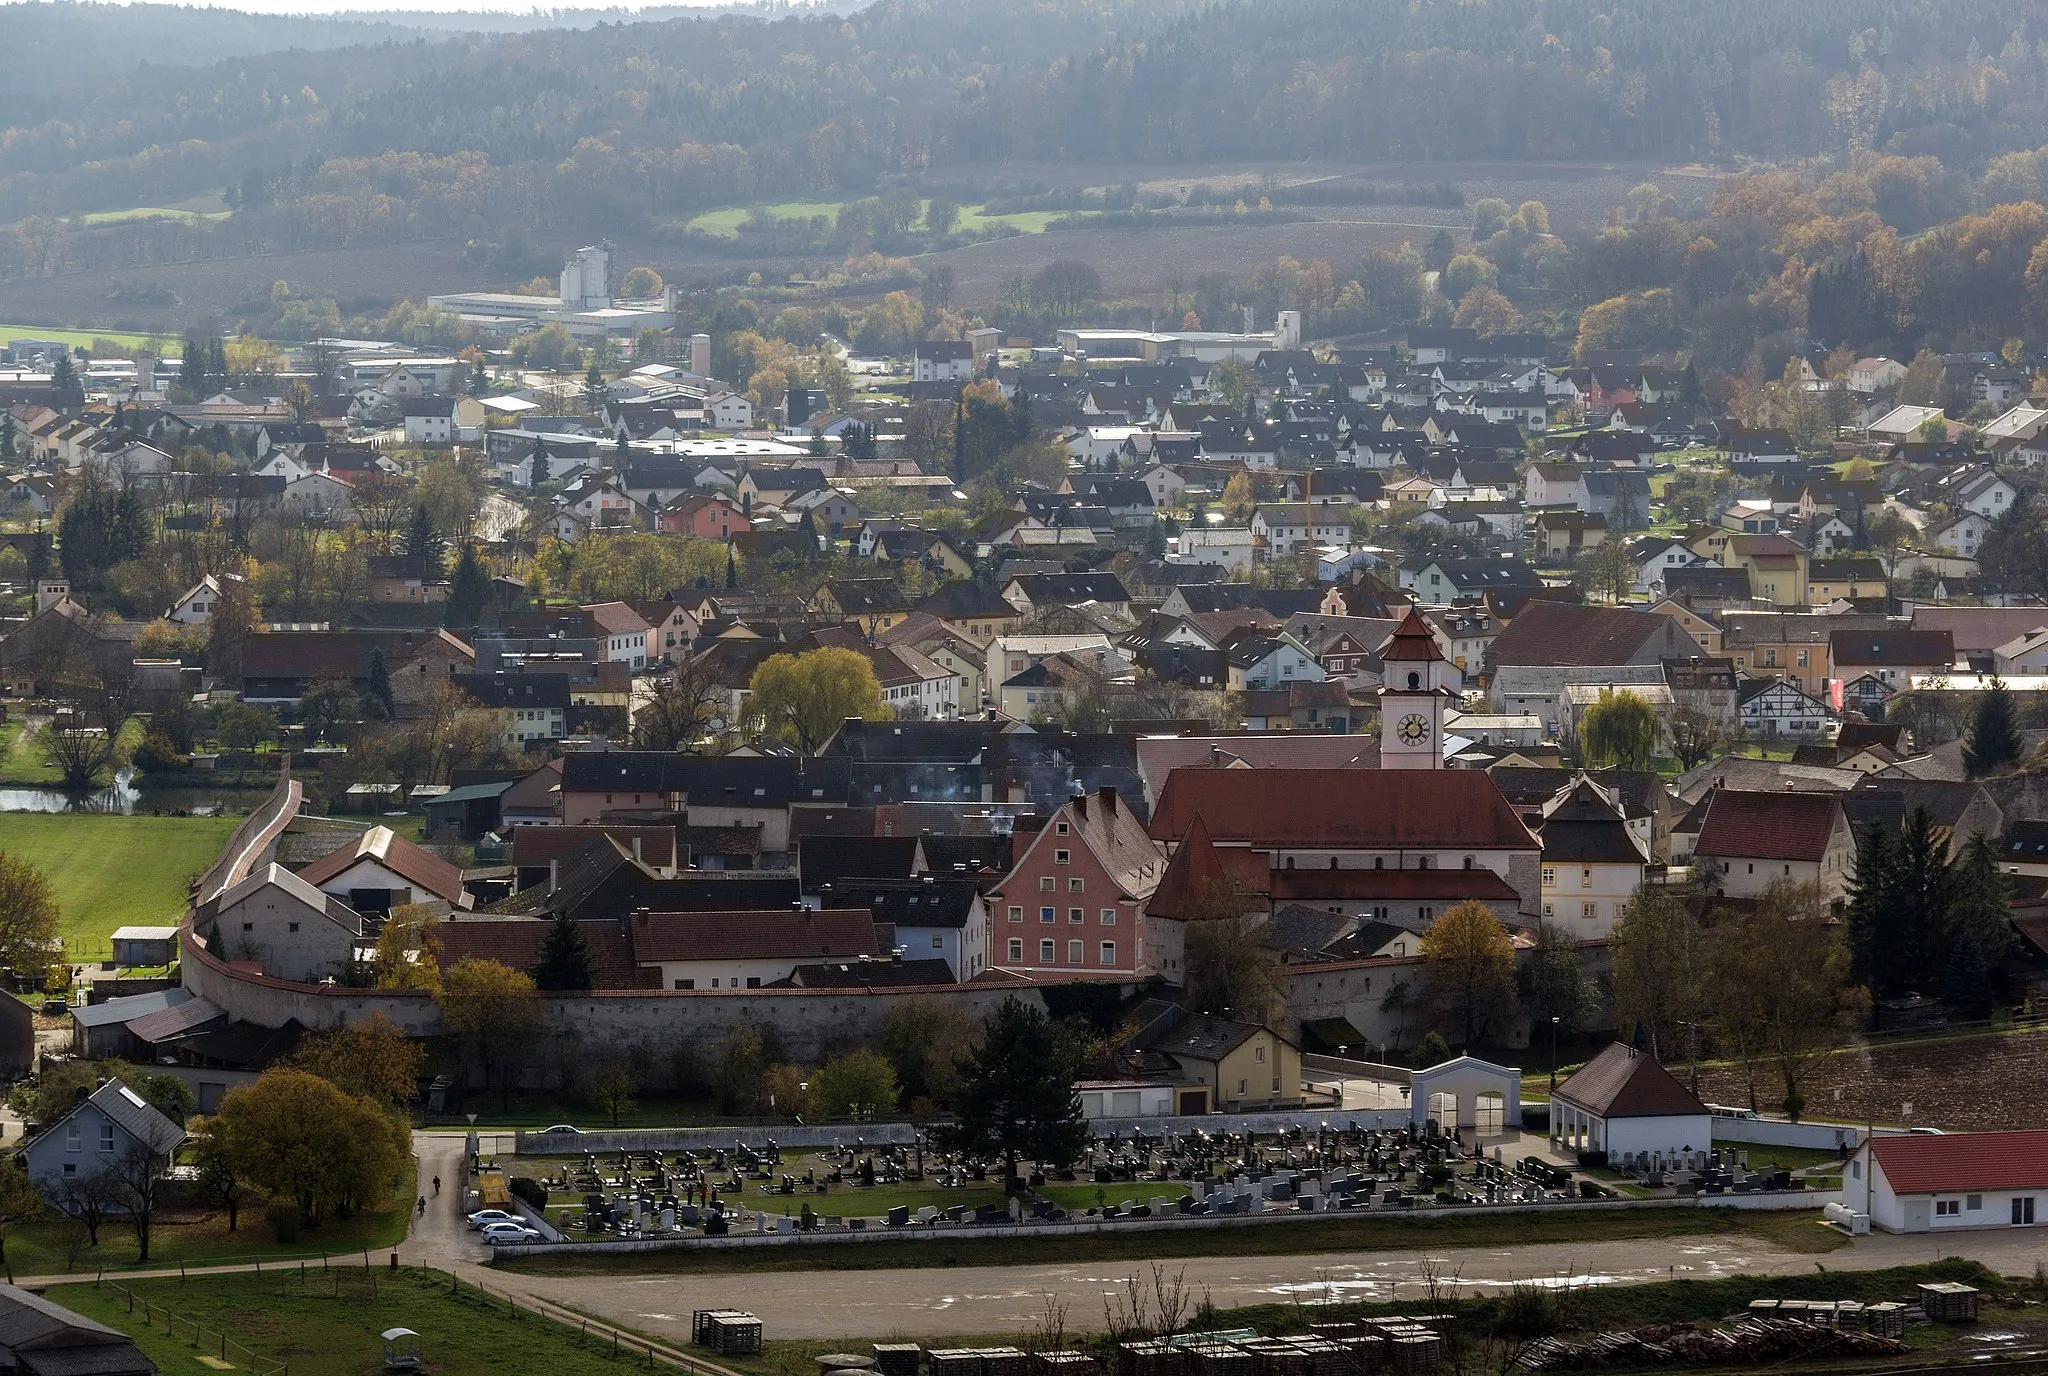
(125, 797)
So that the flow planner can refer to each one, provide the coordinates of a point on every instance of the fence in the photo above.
(217, 1345)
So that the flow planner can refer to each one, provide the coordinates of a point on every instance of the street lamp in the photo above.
(1553, 1055)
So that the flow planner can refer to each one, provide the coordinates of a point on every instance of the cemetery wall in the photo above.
(809, 1021)
(1786, 1200)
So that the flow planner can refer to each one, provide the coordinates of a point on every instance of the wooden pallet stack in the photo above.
(897, 1359)
(728, 1332)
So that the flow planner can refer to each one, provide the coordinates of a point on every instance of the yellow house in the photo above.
(1243, 1066)
(1828, 579)
(1704, 633)
(1777, 567)
(1789, 645)
(875, 604)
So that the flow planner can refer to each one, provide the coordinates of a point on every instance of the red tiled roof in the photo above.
(1563, 633)
(1916, 1164)
(1448, 886)
(1412, 640)
(764, 934)
(1769, 826)
(1622, 1082)
(516, 941)
(387, 848)
(615, 618)
(1892, 648)
(538, 845)
(1368, 809)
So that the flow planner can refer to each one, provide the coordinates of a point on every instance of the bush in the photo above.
(156, 755)
(284, 1220)
(530, 1190)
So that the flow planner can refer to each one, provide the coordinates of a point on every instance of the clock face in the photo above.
(1413, 729)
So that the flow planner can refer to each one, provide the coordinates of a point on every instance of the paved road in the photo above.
(1007, 1299)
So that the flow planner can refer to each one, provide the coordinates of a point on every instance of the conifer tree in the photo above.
(565, 960)
(1995, 742)
(468, 589)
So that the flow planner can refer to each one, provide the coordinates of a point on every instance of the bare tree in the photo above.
(681, 709)
(91, 1198)
(1698, 735)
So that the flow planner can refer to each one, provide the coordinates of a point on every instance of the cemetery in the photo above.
(897, 1188)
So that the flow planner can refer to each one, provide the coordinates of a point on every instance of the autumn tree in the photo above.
(1787, 969)
(492, 1009)
(859, 1084)
(804, 698)
(1658, 957)
(368, 1056)
(1471, 963)
(925, 1040)
(298, 1137)
(28, 915)
(406, 955)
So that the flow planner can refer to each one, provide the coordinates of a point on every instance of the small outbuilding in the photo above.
(1624, 1103)
(1934, 1183)
(1468, 1094)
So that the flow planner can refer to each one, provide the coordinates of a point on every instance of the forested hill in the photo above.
(621, 122)
(51, 44)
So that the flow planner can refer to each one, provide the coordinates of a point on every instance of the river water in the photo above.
(124, 797)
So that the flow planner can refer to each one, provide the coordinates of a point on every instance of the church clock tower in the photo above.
(1417, 688)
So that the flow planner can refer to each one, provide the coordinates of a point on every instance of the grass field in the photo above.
(141, 213)
(108, 870)
(326, 1323)
(198, 1237)
(83, 337)
(725, 223)
(1796, 1232)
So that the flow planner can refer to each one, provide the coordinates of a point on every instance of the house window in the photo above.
(1589, 910)
(1259, 1053)
(1586, 877)
(291, 926)
(1045, 955)
(1109, 917)
(1240, 1089)
(1077, 885)
(1016, 948)
(2023, 1211)
(1061, 857)
(686, 984)
(1045, 914)
(106, 1139)
(1950, 1208)
(74, 1137)
(248, 926)
(1549, 877)
(1077, 953)
(1045, 884)
(1076, 916)
(1060, 828)
(1109, 953)
(1016, 913)
(1974, 1202)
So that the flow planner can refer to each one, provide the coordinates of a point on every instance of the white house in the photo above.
(942, 360)
(318, 495)
(284, 924)
(728, 411)
(1751, 840)
(1776, 708)
(1592, 863)
(1624, 1103)
(197, 606)
(1286, 526)
(1919, 1183)
(381, 870)
(1961, 534)
(1230, 548)
(1875, 374)
(2023, 654)
(747, 949)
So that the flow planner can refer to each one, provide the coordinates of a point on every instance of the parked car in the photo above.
(484, 1217)
(563, 1128)
(500, 1233)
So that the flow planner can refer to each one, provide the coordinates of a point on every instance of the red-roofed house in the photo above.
(1751, 840)
(623, 635)
(1935, 1184)
(1074, 903)
(381, 870)
(1624, 1103)
(1338, 819)
(745, 950)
